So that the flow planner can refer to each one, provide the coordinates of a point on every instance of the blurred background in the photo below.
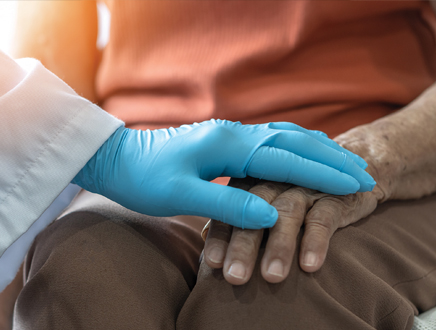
(8, 21)
(8, 12)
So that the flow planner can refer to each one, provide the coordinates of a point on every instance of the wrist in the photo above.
(95, 174)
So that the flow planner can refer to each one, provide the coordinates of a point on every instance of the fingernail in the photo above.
(276, 268)
(237, 270)
(309, 259)
(216, 255)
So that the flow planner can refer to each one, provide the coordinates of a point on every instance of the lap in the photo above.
(101, 266)
(378, 273)
(177, 238)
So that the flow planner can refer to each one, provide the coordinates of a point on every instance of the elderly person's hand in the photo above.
(401, 153)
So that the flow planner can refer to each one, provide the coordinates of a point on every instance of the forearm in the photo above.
(401, 149)
(62, 35)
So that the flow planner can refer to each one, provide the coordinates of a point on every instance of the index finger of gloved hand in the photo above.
(233, 206)
(283, 166)
(219, 233)
(244, 245)
(292, 206)
(308, 147)
(321, 137)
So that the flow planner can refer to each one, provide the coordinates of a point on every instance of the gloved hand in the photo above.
(165, 172)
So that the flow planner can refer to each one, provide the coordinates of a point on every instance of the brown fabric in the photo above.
(327, 65)
(7, 300)
(103, 267)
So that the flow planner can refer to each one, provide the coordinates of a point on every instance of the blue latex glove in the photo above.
(166, 172)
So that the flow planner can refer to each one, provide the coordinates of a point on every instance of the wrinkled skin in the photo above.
(400, 150)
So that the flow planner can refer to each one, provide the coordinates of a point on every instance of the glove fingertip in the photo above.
(367, 186)
(259, 214)
(353, 185)
(361, 162)
(344, 184)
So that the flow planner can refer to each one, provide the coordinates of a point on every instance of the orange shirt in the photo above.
(327, 65)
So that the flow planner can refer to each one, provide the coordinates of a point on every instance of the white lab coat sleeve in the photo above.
(14, 255)
(47, 134)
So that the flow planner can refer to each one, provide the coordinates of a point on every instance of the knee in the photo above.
(80, 241)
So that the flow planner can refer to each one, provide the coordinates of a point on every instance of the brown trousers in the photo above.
(103, 267)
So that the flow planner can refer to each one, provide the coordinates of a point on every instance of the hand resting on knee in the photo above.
(400, 150)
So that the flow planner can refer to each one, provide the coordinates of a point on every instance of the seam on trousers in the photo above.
(379, 320)
(393, 312)
(416, 279)
(342, 304)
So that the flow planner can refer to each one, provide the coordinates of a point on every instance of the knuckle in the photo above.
(310, 195)
(263, 193)
(323, 225)
(345, 201)
(282, 204)
(220, 230)
(282, 243)
(343, 209)
(290, 201)
(274, 186)
(245, 243)
(267, 190)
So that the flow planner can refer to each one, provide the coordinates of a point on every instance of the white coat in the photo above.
(47, 134)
